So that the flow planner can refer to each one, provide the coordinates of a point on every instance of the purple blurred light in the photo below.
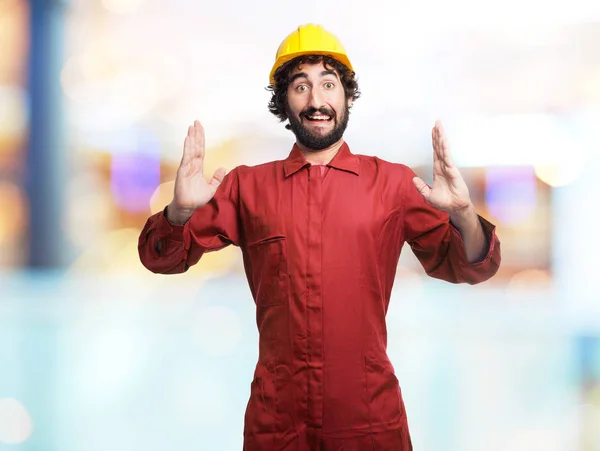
(511, 193)
(135, 174)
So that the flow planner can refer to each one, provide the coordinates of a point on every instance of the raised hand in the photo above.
(449, 192)
(192, 190)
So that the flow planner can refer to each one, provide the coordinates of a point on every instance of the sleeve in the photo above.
(210, 228)
(438, 245)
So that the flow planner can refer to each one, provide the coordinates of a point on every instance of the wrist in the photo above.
(464, 218)
(178, 216)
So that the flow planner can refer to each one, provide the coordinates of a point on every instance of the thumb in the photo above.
(422, 188)
(217, 177)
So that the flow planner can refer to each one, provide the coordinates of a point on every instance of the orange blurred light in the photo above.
(12, 211)
(162, 196)
(530, 279)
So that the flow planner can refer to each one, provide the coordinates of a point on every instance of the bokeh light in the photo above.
(116, 250)
(530, 285)
(13, 220)
(511, 193)
(13, 39)
(531, 279)
(109, 87)
(135, 173)
(15, 423)
(215, 264)
(122, 6)
(90, 209)
(557, 175)
(12, 211)
(77, 83)
(125, 258)
(13, 113)
(162, 196)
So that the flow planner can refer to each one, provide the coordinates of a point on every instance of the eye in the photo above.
(329, 85)
(301, 88)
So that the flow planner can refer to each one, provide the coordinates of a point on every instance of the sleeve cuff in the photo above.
(489, 230)
(167, 229)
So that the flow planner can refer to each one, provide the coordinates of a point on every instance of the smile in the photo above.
(321, 118)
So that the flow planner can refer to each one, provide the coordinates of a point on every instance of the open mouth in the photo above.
(316, 118)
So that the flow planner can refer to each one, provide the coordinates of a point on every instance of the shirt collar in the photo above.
(343, 160)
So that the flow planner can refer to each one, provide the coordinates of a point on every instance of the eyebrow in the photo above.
(305, 75)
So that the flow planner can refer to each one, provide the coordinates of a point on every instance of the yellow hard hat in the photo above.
(309, 40)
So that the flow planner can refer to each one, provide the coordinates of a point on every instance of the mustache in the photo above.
(313, 111)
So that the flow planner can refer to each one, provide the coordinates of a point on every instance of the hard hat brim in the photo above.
(342, 58)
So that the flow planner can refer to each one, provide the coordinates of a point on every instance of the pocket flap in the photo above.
(263, 229)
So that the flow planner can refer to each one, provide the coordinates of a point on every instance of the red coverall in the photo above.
(320, 248)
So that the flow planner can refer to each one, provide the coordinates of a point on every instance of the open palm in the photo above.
(192, 190)
(449, 192)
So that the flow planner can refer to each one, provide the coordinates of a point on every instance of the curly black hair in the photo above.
(277, 104)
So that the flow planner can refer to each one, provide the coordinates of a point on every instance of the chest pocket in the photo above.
(266, 255)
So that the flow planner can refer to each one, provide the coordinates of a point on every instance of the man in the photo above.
(321, 233)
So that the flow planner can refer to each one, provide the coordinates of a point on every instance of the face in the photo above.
(317, 107)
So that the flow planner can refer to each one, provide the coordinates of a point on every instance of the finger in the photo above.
(440, 135)
(440, 129)
(218, 177)
(199, 135)
(444, 146)
(435, 136)
(187, 151)
(441, 142)
(445, 152)
(422, 188)
(197, 128)
(435, 144)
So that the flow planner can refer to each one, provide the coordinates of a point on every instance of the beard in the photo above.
(318, 142)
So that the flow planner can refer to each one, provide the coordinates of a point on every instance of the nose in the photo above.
(316, 98)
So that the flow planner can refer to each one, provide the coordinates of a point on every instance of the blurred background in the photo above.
(98, 354)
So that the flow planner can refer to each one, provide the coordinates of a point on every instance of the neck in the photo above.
(322, 157)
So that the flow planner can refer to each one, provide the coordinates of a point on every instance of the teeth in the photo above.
(319, 118)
